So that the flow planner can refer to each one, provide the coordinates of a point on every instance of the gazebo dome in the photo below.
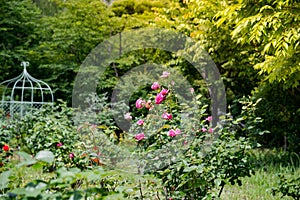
(24, 92)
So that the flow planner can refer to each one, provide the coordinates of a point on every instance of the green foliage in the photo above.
(72, 31)
(271, 29)
(196, 162)
(13, 177)
(5, 135)
(78, 24)
(206, 169)
(250, 123)
(101, 114)
(280, 112)
(130, 7)
(64, 183)
(255, 46)
(268, 164)
(48, 128)
(198, 19)
(18, 21)
(288, 186)
(48, 7)
(65, 39)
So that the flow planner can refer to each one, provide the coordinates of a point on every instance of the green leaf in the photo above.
(19, 191)
(45, 156)
(28, 160)
(35, 190)
(4, 179)
(32, 190)
(115, 197)
(24, 155)
(218, 182)
(189, 169)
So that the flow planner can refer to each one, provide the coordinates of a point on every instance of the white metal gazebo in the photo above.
(24, 92)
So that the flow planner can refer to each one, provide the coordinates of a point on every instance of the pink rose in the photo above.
(209, 118)
(139, 136)
(159, 98)
(71, 155)
(210, 130)
(93, 126)
(155, 86)
(203, 129)
(59, 144)
(139, 103)
(192, 90)
(165, 74)
(172, 133)
(140, 122)
(164, 92)
(128, 116)
(177, 131)
(167, 116)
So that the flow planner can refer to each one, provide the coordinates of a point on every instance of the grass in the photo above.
(268, 164)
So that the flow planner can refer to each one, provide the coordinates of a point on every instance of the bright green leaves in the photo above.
(272, 31)
(45, 156)
(76, 29)
(4, 179)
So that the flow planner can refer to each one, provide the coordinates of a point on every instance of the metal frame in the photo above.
(26, 92)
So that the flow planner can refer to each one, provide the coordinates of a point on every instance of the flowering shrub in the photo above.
(177, 143)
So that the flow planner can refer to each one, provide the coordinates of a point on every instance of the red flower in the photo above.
(5, 147)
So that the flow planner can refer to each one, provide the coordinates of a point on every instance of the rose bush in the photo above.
(178, 144)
